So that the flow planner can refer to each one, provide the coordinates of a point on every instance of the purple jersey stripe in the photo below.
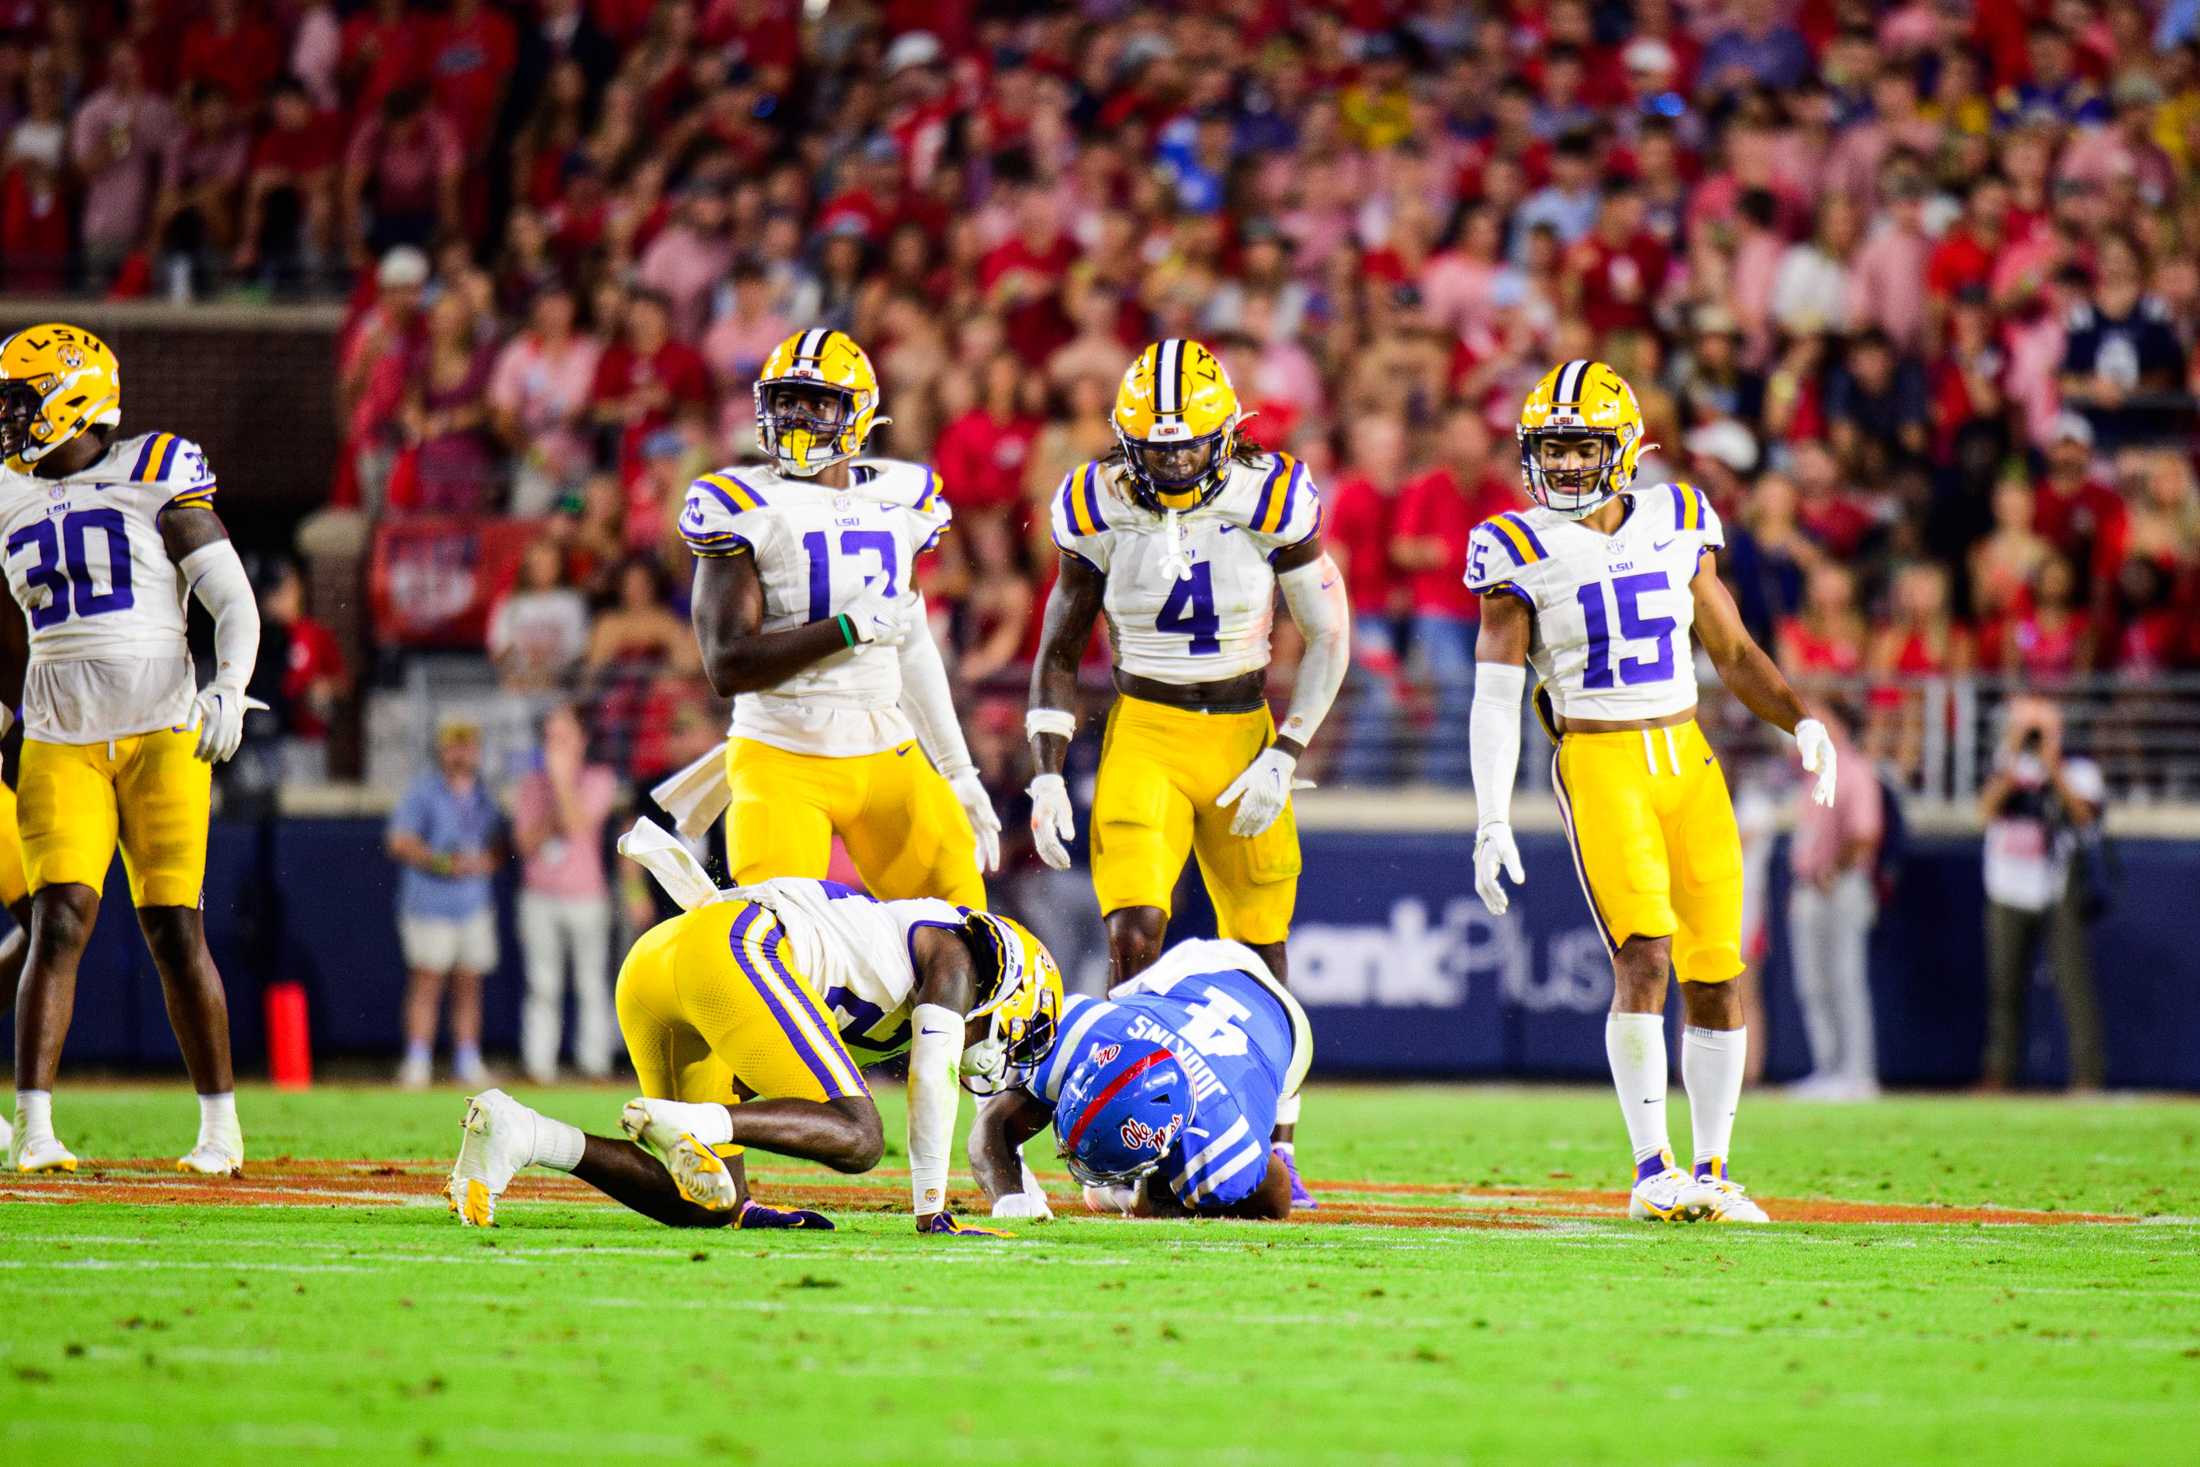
(737, 939)
(1573, 845)
(167, 457)
(1092, 496)
(1267, 493)
(825, 1025)
(1526, 529)
(145, 455)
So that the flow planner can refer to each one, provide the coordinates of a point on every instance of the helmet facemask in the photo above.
(1020, 999)
(1179, 474)
(803, 425)
(1571, 468)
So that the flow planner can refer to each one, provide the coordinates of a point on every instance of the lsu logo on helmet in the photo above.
(817, 400)
(1176, 417)
(57, 382)
(1581, 400)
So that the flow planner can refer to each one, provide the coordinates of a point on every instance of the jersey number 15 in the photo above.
(64, 570)
(1627, 593)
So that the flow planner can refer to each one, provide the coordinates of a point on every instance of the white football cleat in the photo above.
(1667, 1196)
(44, 1155)
(213, 1159)
(499, 1139)
(1724, 1199)
(699, 1172)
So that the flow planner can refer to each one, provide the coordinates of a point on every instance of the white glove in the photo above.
(218, 714)
(1495, 851)
(1816, 746)
(1029, 1205)
(1261, 792)
(877, 617)
(985, 821)
(1052, 821)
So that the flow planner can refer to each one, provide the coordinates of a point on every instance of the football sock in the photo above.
(419, 1053)
(1712, 1061)
(466, 1059)
(1635, 1046)
(218, 1119)
(34, 1110)
(557, 1145)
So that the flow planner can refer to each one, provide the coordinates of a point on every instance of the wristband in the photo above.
(1057, 721)
(847, 626)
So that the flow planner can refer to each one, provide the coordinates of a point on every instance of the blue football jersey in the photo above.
(1234, 1039)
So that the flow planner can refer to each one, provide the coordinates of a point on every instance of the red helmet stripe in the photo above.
(1115, 1088)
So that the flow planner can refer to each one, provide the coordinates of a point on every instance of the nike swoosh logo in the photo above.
(903, 751)
(1663, 543)
(931, 1031)
(1709, 757)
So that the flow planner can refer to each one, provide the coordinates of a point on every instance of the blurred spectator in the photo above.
(289, 226)
(638, 630)
(1887, 277)
(2053, 638)
(645, 376)
(2041, 810)
(448, 466)
(1362, 516)
(1436, 512)
(2077, 512)
(116, 141)
(201, 186)
(1831, 909)
(689, 257)
(558, 817)
(997, 610)
(1767, 556)
(314, 676)
(375, 364)
(1920, 639)
(1759, 49)
(982, 451)
(401, 176)
(2122, 349)
(445, 837)
(1826, 637)
(538, 402)
(538, 632)
(233, 52)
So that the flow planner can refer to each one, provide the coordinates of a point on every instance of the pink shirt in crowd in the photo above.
(1887, 284)
(1814, 852)
(117, 197)
(568, 866)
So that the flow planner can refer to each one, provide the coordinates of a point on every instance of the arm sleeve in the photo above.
(217, 578)
(926, 698)
(1315, 593)
(935, 1058)
(1493, 739)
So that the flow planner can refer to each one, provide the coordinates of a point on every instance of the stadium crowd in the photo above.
(1910, 290)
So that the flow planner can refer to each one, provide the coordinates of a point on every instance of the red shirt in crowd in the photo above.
(241, 62)
(385, 55)
(467, 63)
(300, 152)
(2090, 518)
(1438, 504)
(674, 366)
(1361, 523)
(981, 459)
(315, 656)
(1958, 260)
(1619, 284)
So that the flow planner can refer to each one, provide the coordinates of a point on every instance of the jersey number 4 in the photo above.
(1627, 592)
(1214, 1027)
(1191, 609)
(64, 569)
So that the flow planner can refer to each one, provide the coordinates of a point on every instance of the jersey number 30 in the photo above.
(64, 570)
(1627, 593)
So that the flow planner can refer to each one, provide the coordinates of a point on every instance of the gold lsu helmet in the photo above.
(57, 382)
(1581, 399)
(817, 400)
(1177, 417)
(1019, 994)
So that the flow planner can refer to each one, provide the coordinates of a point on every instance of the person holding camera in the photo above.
(2042, 813)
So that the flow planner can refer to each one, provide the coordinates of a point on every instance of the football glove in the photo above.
(1816, 746)
(1028, 1205)
(755, 1214)
(1052, 820)
(874, 617)
(985, 821)
(1495, 851)
(1261, 792)
(943, 1224)
(218, 714)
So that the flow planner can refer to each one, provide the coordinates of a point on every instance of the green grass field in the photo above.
(1482, 1306)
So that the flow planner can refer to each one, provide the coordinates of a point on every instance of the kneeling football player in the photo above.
(747, 1018)
(1162, 1095)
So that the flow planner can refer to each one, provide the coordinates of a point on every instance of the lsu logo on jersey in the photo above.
(1139, 1136)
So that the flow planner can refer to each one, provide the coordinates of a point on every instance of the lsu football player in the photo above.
(1181, 538)
(1598, 586)
(15, 896)
(808, 616)
(107, 538)
(748, 1017)
(1161, 1095)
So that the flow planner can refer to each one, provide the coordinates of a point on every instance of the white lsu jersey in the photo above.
(104, 603)
(1612, 612)
(1212, 622)
(856, 951)
(815, 547)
